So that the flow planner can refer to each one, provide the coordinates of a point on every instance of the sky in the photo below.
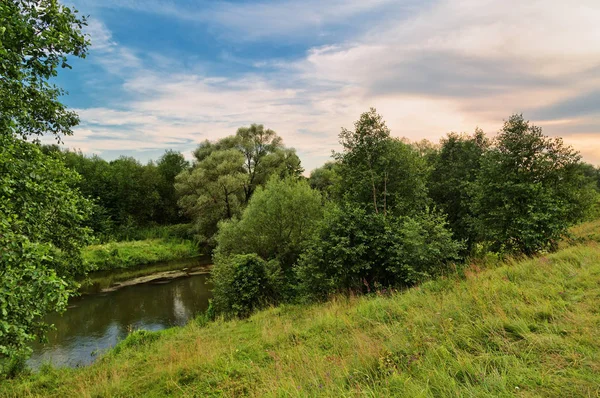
(169, 74)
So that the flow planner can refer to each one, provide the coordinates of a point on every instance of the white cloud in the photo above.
(453, 66)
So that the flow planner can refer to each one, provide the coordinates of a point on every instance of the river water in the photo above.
(94, 323)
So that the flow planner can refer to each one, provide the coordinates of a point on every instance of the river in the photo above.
(97, 322)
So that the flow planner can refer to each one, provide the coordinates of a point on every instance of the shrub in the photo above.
(356, 250)
(276, 225)
(243, 283)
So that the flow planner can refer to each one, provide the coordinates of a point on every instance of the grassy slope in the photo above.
(127, 254)
(527, 328)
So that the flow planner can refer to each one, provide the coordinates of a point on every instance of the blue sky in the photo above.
(168, 74)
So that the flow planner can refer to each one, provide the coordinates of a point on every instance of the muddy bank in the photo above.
(108, 281)
(159, 277)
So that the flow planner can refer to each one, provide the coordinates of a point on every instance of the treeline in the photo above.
(126, 195)
(385, 213)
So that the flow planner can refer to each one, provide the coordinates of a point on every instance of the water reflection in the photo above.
(97, 322)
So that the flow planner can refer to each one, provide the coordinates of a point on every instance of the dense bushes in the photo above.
(275, 227)
(399, 213)
(278, 221)
(361, 251)
(243, 283)
(42, 231)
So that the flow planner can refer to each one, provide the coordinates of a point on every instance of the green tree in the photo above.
(213, 191)
(451, 183)
(41, 233)
(36, 37)
(326, 179)
(170, 165)
(531, 188)
(380, 172)
(41, 214)
(227, 172)
(276, 225)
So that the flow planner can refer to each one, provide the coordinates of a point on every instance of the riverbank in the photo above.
(106, 281)
(130, 254)
(525, 327)
(116, 262)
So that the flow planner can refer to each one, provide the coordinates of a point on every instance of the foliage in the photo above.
(127, 195)
(41, 234)
(275, 225)
(169, 166)
(522, 328)
(380, 172)
(212, 191)
(36, 36)
(243, 283)
(357, 250)
(326, 179)
(531, 188)
(451, 183)
(226, 174)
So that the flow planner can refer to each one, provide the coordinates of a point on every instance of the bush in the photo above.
(244, 283)
(355, 250)
(276, 225)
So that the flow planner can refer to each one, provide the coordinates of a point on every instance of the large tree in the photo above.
(530, 189)
(227, 172)
(378, 171)
(41, 213)
(41, 233)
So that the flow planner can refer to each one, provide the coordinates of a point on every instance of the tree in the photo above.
(41, 214)
(36, 37)
(531, 188)
(378, 171)
(451, 183)
(326, 179)
(170, 165)
(276, 225)
(41, 233)
(213, 191)
(227, 172)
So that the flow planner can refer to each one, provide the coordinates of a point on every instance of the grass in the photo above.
(177, 231)
(128, 254)
(525, 328)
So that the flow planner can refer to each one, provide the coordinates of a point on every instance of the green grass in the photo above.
(524, 328)
(174, 231)
(128, 254)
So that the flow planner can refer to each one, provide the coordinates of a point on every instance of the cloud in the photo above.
(585, 104)
(431, 69)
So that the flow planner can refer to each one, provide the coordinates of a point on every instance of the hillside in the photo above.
(520, 328)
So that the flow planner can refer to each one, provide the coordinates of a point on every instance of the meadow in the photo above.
(515, 327)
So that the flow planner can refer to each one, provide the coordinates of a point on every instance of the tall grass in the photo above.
(127, 254)
(520, 328)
